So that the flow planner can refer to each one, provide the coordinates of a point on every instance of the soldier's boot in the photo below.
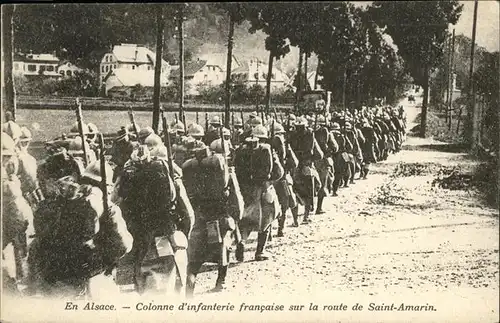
(319, 208)
(365, 171)
(260, 254)
(270, 238)
(192, 271)
(240, 252)
(220, 284)
(307, 218)
(281, 222)
(295, 214)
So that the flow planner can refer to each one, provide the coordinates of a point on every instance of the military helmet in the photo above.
(25, 134)
(144, 133)
(348, 126)
(74, 128)
(335, 126)
(130, 128)
(8, 145)
(254, 114)
(153, 140)
(196, 130)
(278, 128)
(321, 120)
(226, 132)
(301, 121)
(121, 134)
(292, 117)
(92, 128)
(75, 146)
(216, 146)
(215, 120)
(238, 122)
(93, 171)
(256, 121)
(178, 127)
(260, 132)
(13, 130)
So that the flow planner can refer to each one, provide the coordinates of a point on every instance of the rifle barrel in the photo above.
(104, 184)
(80, 130)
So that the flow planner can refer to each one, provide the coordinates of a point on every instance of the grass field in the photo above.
(48, 124)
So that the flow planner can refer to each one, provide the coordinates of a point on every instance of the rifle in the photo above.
(166, 135)
(221, 132)
(176, 119)
(178, 257)
(104, 184)
(206, 122)
(80, 130)
(197, 118)
(241, 115)
(132, 121)
(275, 114)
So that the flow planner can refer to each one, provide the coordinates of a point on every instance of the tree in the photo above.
(160, 21)
(419, 29)
(271, 18)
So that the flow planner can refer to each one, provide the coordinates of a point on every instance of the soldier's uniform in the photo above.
(76, 238)
(306, 179)
(17, 219)
(121, 150)
(340, 159)
(237, 132)
(257, 168)
(213, 131)
(284, 186)
(159, 215)
(368, 148)
(214, 192)
(75, 149)
(28, 170)
(355, 154)
(329, 146)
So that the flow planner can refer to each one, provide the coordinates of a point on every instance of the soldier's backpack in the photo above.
(215, 177)
(262, 163)
(148, 193)
(322, 139)
(303, 144)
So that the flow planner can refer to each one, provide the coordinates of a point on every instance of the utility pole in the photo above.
(299, 82)
(180, 24)
(452, 78)
(160, 25)
(8, 90)
(448, 63)
(316, 76)
(472, 86)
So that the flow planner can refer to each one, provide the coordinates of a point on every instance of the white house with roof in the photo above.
(68, 69)
(198, 73)
(133, 58)
(255, 72)
(36, 65)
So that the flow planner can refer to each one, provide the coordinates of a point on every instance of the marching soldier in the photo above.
(214, 192)
(256, 169)
(75, 149)
(28, 170)
(77, 238)
(237, 131)
(284, 186)
(329, 147)
(355, 154)
(306, 178)
(17, 219)
(213, 132)
(340, 159)
(368, 148)
(121, 150)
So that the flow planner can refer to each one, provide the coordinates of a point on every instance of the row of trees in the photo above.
(357, 62)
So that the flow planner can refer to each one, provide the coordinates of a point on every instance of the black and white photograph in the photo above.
(305, 161)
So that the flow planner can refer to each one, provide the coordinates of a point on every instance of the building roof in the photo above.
(36, 58)
(133, 53)
(128, 77)
(190, 68)
(219, 59)
(242, 69)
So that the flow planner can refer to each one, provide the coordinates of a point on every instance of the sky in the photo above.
(488, 22)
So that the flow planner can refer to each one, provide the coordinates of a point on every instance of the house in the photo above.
(220, 60)
(124, 77)
(310, 80)
(68, 69)
(130, 57)
(255, 72)
(36, 65)
(199, 73)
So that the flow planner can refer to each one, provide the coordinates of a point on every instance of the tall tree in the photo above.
(419, 29)
(9, 94)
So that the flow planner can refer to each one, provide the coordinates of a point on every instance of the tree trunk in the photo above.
(268, 82)
(299, 81)
(423, 118)
(472, 109)
(181, 65)
(227, 110)
(9, 93)
(306, 80)
(316, 76)
(160, 24)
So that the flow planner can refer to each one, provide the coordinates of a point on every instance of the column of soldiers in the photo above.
(174, 200)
